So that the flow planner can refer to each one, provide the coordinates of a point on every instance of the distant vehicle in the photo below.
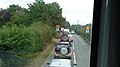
(66, 38)
(65, 33)
(61, 63)
(62, 29)
(66, 30)
(70, 38)
(69, 34)
(63, 50)
(72, 32)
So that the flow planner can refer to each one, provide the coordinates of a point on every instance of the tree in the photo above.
(4, 16)
(13, 8)
(65, 24)
(48, 13)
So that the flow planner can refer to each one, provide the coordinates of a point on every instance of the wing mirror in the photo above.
(48, 64)
(74, 64)
(71, 40)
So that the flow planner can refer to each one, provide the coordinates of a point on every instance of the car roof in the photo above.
(64, 42)
(60, 63)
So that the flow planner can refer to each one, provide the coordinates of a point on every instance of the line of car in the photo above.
(63, 52)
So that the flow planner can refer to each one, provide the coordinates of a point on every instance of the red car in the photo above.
(66, 38)
(70, 39)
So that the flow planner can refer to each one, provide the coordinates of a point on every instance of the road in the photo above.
(81, 50)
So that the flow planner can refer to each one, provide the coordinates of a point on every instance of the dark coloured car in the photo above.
(63, 50)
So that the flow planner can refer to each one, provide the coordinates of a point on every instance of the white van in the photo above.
(61, 63)
(67, 30)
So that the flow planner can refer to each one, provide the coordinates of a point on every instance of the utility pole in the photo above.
(77, 23)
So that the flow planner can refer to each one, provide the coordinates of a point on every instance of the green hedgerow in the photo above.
(18, 39)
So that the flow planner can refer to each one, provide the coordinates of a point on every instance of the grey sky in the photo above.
(73, 10)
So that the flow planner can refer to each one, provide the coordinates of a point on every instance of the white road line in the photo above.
(74, 57)
(73, 46)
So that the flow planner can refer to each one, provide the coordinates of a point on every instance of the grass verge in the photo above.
(41, 57)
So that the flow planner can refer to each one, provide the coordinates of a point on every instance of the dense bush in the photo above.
(43, 31)
(25, 39)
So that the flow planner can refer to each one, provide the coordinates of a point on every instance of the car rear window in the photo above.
(66, 33)
(60, 46)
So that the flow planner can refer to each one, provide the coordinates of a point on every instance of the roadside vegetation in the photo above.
(25, 39)
(25, 31)
(81, 30)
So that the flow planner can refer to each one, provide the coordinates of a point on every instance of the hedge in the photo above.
(25, 39)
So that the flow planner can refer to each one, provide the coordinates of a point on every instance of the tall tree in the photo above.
(4, 16)
(66, 24)
(48, 13)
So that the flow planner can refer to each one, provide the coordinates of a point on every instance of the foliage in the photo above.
(80, 30)
(4, 16)
(25, 39)
(43, 31)
(49, 13)
(66, 25)
(38, 11)
(18, 39)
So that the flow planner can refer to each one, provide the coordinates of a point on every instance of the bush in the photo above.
(25, 39)
(18, 39)
(83, 34)
(43, 31)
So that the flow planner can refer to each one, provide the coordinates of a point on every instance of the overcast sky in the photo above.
(73, 10)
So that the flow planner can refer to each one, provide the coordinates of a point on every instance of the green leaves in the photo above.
(18, 39)
(47, 13)
(38, 11)
(25, 39)
(81, 30)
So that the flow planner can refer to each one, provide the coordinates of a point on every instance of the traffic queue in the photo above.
(63, 52)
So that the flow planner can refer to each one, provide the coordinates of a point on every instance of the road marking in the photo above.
(73, 46)
(74, 57)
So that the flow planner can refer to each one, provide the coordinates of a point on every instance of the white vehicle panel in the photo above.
(60, 63)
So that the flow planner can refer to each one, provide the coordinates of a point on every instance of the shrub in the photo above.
(25, 39)
(18, 39)
(83, 34)
(43, 31)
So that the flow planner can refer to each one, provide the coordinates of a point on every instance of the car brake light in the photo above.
(59, 39)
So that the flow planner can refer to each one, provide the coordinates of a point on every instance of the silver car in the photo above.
(61, 63)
